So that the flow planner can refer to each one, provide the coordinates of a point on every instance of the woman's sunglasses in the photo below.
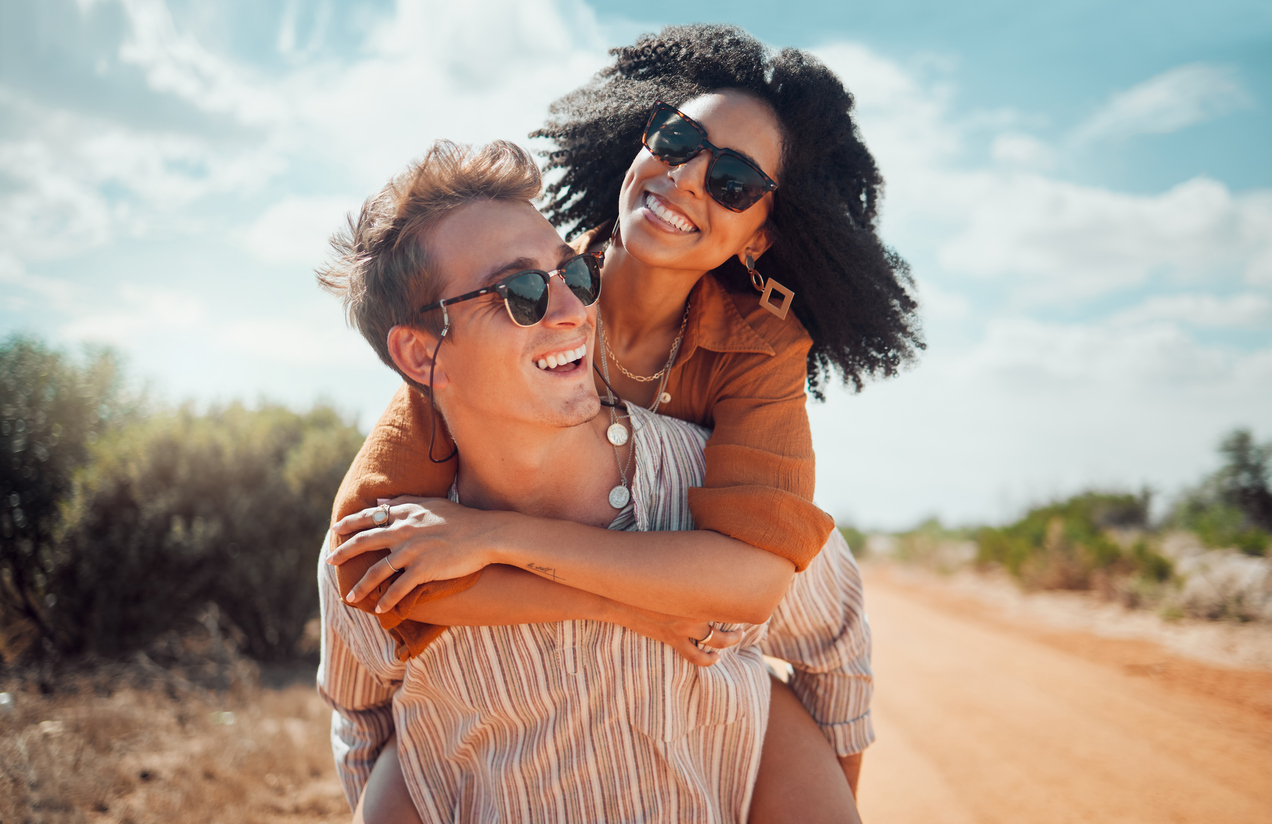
(733, 181)
(525, 294)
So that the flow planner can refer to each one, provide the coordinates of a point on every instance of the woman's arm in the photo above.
(506, 596)
(744, 380)
(700, 574)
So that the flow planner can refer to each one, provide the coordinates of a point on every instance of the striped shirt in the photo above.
(588, 721)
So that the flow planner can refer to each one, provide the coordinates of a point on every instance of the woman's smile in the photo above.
(663, 213)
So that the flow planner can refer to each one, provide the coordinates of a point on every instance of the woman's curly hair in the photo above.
(853, 294)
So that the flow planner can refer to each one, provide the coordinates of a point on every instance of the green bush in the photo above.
(182, 509)
(856, 540)
(1232, 507)
(1066, 545)
(52, 409)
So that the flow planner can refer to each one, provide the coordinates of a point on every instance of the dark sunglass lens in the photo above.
(735, 184)
(583, 277)
(527, 298)
(671, 139)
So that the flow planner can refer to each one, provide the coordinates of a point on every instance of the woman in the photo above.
(682, 329)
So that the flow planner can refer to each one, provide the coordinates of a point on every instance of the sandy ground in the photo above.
(995, 707)
(990, 706)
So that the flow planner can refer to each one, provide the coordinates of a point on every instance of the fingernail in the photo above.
(351, 599)
(379, 608)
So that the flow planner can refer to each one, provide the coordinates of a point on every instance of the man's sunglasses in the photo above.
(733, 181)
(525, 294)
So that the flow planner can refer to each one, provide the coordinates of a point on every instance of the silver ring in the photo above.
(708, 638)
(381, 515)
(395, 569)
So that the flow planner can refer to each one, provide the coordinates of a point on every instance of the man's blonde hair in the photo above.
(380, 266)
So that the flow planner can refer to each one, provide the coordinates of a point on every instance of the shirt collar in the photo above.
(723, 330)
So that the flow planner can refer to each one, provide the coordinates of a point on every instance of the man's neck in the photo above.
(551, 473)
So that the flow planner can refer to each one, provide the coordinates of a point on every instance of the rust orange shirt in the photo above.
(740, 372)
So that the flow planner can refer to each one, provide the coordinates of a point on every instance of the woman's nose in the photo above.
(691, 176)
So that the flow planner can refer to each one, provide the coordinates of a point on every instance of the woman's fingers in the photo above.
(360, 543)
(379, 572)
(722, 639)
(411, 577)
(694, 654)
(704, 653)
(356, 521)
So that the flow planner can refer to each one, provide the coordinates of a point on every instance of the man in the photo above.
(547, 719)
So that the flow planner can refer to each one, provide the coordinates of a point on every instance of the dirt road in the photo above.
(981, 721)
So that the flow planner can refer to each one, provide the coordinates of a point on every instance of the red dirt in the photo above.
(985, 720)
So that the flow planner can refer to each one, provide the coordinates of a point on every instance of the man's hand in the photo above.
(429, 539)
(678, 633)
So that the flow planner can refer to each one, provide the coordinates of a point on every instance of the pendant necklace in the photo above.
(616, 434)
(620, 495)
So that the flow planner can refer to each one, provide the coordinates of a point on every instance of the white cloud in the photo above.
(306, 341)
(141, 315)
(1173, 100)
(296, 229)
(1245, 310)
(1028, 355)
(1021, 150)
(1032, 412)
(176, 63)
(1076, 242)
(941, 304)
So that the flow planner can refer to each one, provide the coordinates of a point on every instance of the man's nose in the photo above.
(564, 307)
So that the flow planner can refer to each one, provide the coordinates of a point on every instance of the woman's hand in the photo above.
(684, 635)
(429, 539)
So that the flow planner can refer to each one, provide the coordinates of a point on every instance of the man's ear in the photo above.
(412, 351)
(757, 244)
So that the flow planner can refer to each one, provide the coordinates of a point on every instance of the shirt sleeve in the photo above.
(820, 628)
(358, 676)
(760, 464)
(394, 461)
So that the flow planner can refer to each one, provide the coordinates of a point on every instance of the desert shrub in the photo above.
(1232, 507)
(856, 540)
(1070, 544)
(52, 409)
(182, 509)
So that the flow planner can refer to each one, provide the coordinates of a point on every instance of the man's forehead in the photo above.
(475, 242)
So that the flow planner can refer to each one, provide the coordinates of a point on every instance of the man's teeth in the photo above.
(562, 358)
(666, 214)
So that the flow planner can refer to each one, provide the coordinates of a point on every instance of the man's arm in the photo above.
(357, 677)
(820, 628)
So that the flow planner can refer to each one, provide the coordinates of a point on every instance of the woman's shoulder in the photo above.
(736, 321)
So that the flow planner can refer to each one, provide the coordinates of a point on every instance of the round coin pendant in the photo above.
(619, 496)
(616, 434)
(664, 397)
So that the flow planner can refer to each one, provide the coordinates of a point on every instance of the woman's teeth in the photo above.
(562, 358)
(668, 215)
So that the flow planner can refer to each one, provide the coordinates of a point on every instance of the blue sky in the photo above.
(1083, 190)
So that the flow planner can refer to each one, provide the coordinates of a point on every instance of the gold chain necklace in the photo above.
(675, 345)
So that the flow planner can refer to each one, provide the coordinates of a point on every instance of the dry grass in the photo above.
(142, 743)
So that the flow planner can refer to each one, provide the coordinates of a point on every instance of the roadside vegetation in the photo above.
(1207, 558)
(156, 577)
(121, 519)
